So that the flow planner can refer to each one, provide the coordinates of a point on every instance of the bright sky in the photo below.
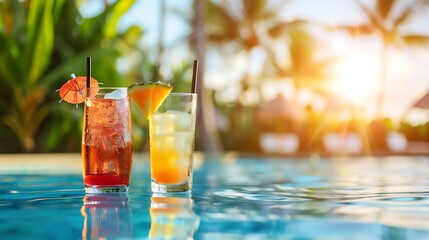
(146, 14)
(355, 76)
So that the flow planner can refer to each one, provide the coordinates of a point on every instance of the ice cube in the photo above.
(103, 111)
(117, 94)
(184, 141)
(184, 121)
(163, 123)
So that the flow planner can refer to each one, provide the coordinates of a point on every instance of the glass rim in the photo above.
(182, 94)
(108, 88)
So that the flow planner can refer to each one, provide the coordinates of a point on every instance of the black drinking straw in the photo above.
(194, 76)
(88, 73)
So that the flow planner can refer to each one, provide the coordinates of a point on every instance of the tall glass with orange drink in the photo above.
(172, 134)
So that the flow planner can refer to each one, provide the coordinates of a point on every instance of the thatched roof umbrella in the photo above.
(422, 102)
(279, 113)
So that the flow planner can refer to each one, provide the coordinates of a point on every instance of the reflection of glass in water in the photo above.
(107, 216)
(172, 218)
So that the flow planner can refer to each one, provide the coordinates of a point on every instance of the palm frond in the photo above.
(277, 29)
(252, 8)
(384, 8)
(222, 26)
(373, 17)
(355, 30)
(41, 44)
(117, 10)
(74, 62)
(261, 9)
(1, 17)
(415, 39)
(12, 122)
(404, 16)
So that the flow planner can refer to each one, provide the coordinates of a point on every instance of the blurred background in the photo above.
(276, 76)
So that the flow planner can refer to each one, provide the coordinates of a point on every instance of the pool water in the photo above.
(233, 198)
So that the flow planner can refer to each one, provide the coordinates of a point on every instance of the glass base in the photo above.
(185, 188)
(106, 189)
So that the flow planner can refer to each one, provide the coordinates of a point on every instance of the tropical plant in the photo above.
(235, 26)
(42, 43)
(303, 68)
(239, 28)
(206, 131)
(255, 25)
(390, 27)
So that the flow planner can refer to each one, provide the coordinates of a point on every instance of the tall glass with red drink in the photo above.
(106, 141)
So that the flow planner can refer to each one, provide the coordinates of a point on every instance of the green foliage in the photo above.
(27, 47)
(415, 133)
(227, 25)
(181, 77)
(388, 24)
(384, 7)
(42, 43)
(218, 18)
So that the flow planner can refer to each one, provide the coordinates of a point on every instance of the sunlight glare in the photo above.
(273, 87)
(355, 77)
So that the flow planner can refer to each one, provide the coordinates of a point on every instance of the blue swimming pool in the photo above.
(234, 197)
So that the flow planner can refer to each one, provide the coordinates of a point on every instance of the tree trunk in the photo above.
(156, 73)
(382, 81)
(207, 133)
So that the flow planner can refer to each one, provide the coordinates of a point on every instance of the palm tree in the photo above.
(257, 25)
(381, 21)
(303, 68)
(249, 24)
(241, 26)
(206, 131)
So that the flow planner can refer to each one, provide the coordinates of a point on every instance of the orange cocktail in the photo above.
(171, 146)
(171, 131)
(172, 134)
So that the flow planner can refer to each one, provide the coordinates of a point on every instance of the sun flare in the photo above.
(355, 77)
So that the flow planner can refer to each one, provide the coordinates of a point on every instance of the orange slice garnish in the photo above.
(149, 96)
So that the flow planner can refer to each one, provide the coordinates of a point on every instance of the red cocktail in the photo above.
(106, 141)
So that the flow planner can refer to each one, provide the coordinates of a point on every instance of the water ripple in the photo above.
(253, 198)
